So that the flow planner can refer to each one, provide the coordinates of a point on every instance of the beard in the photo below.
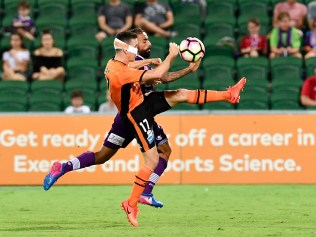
(144, 53)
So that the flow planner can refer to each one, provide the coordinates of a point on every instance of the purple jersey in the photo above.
(145, 88)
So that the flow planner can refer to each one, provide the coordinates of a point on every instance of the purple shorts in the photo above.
(119, 136)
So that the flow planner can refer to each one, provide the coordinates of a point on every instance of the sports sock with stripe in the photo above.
(162, 165)
(201, 96)
(141, 179)
(84, 160)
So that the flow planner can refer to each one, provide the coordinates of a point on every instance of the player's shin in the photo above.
(84, 160)
(201, 96)
(141, 179)
(162, 165)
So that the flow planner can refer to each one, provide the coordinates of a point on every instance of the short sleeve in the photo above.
(306, 87)
(101, 11)
(85, 109)
(274, 38)
(131, 75)
(5, 56)
(167, 7)
(69, 110)
(128, 10)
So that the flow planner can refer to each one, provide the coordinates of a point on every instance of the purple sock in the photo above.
(162, 165)
(84, 160)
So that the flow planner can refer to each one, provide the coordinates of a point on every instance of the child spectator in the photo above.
(155, 17)
(114, 18)
(285, 40)
(47, 60)
(109, 105)
(254, 44)
(15, 60)
(297, 12)
(22, 23)
(310, 42)
(77, 105)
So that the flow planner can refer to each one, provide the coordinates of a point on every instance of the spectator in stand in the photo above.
(308, 92)
(109, 105)
(155, 18)
(285, 40)
(15, 60)
(77, 105)
(311, 13)
(297, 12)
(47, 60)
(254, 44)
(22, 23)
(310, 42)
(114, 18)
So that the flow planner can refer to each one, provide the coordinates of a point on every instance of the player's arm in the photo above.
(306, 101)
(159, 71)
(172, 76)
(141, 63)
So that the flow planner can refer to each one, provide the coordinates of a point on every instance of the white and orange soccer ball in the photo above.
(191, 49)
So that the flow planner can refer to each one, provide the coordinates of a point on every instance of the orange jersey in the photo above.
(124, 84)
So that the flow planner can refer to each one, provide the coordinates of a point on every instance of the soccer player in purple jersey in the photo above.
(119, 136)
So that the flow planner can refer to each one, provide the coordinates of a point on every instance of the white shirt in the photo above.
(21, 55)
(84, 109)
(106, 107)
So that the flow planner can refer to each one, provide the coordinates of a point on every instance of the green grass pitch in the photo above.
(190, 210)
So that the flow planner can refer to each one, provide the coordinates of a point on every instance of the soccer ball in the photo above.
(191, 49)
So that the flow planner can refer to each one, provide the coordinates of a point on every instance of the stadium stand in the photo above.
(74, 31)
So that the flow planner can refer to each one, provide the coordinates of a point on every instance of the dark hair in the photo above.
(21, 38)
(137, 30)
(126, 36)
(283, 15)
(76, 94)
(254, 20)
(47, 32)
(24, 4)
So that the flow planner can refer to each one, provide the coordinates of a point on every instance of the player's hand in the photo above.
(173, 49)
(155, 61)
(194, 65)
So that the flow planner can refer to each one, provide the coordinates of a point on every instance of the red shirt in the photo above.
(309, 87)
(260, 42)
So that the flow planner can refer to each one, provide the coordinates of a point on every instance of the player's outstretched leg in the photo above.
(59, 169)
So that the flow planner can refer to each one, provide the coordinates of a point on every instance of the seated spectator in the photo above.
(254, 44)
(22, 23)
(310, 42)
(77, 105)
(114, 18)
(155, 18)
(47, 60)
(285, 40)
(311, 14)
(297, 12)
(16, 60)
(308, 92)
(109, 105)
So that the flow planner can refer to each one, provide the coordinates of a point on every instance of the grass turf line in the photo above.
(190, 210)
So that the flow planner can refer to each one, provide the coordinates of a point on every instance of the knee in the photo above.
(152, 162)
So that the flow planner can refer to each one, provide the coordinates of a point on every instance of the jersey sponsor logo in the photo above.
(116, 139)
(158, 138)
(150, 137)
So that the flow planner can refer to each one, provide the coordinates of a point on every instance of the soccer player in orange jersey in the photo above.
(138, 110)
